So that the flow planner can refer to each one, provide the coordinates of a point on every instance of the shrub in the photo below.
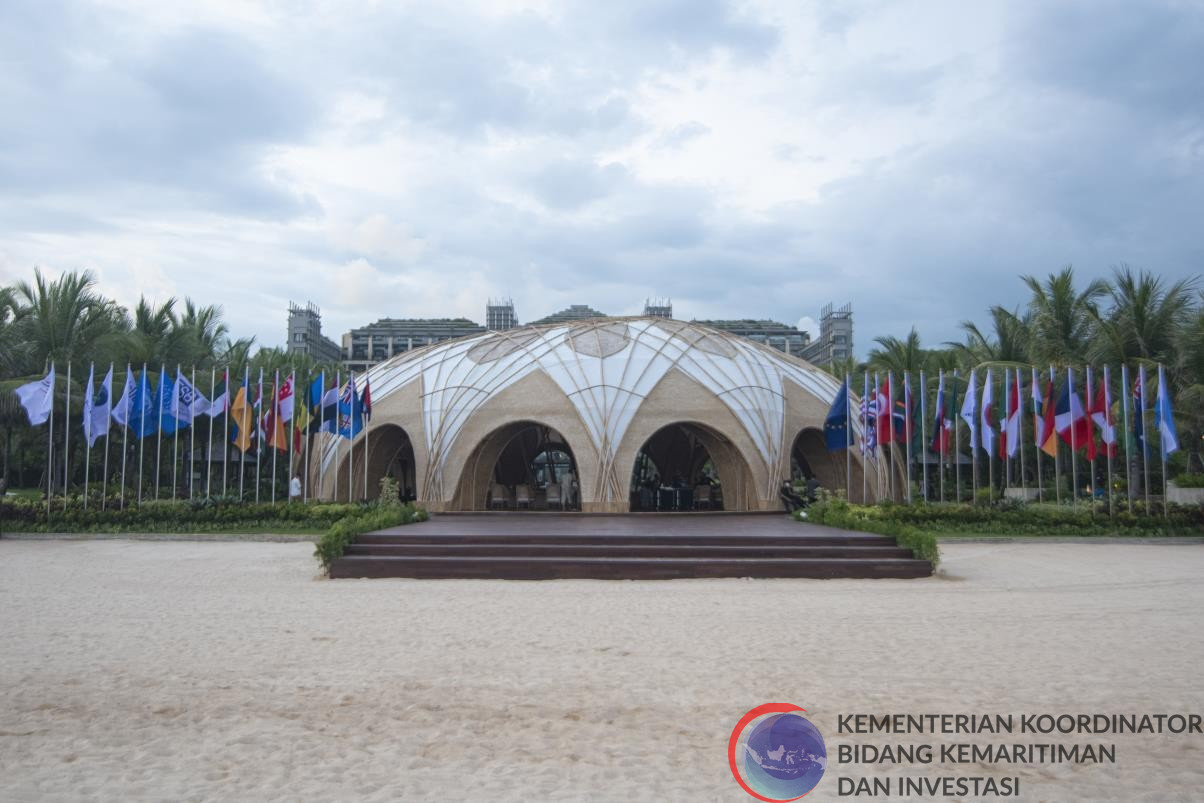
(333, 544)
(1189, 480)
(835, 512)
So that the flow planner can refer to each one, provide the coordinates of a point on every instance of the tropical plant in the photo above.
(1061, 318)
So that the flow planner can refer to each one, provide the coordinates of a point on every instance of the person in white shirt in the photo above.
(294, 489)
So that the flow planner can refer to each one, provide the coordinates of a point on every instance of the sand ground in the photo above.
(230, 671)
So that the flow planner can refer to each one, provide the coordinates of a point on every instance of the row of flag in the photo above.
(174, 403)
(1086, 422)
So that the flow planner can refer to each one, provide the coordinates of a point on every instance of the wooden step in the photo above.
(612, 539)
(622, 568)
(755, 548)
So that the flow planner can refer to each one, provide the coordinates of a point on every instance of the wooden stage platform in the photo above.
(635, 546)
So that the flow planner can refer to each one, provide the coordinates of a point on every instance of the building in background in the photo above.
(305, 334)
(835, 341)
(387, 337)
(783, 337)
(577, 312)
(658, 308)
(499, 315)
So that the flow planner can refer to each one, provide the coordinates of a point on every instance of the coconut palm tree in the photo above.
(63, 320)
(1062, 319)
(1147, 319)
(1007, 343)
(898, 356)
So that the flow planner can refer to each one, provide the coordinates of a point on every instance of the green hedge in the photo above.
(166, 516)
(332, 545)
(1189, 480)
(835, 512)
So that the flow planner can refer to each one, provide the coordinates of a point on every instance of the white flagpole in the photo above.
(104, 477)
(1124, 411)
(923, 438)
(848, 431)
(907, 428)
(1036, 390)
(1164, 394)
(1145, 432)
(175, 433)
(124, 433)
(957, 444)
(1057, 444)
(351, 440)
(1020, 431)
(50, 452)
(1074, 444)
(67, 436)
(1109, 447)
(242, 454)
(159, 441)
(87, 433)
(275, 423)
(338, 379)
(1004, 441)
(192, 435)
(367, 426)
(865, 417)
(259, 435)
(226, 428)
(305, 445)
(143, 385)
(940, 436)
(209, 441)
(292, 436)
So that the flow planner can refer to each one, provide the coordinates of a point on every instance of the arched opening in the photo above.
(390, 454)
(685, 467)
(812, 466)
(524, 465)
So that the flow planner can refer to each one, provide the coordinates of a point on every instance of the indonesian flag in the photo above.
(1011, 432)
(987, 414)
(1102, 416)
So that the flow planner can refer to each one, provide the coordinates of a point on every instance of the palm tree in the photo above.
(1147, 319)
(1062, 319)
(899, 356)
(1008, 343)
(63, 320)
(204, 331)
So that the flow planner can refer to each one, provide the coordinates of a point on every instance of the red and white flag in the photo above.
(1011, 431)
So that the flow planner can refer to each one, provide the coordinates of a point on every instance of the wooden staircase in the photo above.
(643, 547)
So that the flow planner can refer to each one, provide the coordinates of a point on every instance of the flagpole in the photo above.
(367, 427)
(159, 440)
(175, 434)
(1074, 442)
(305, 447)
(890, 423)
(351, 439)
(940, 449)
(67, 436)
(50, 450)
(104, 477)
(1036, 436)
(1057, 444)
(242, 453)
(209, 438)
(848, 430)
(124, 432)
(338, 383)
(143, 386)
(1145, 432)
(1020, 431)
(1124, 404)
(957, 443)
(907, 428)
(1164, 395)
(292, 435)
(258, 435)
(226, 428)
(1088, 411)
(275, 423)
(973, 447)
(1109, 447)
(88, 433)
(192, 434)
(865, 414)
(923, 438)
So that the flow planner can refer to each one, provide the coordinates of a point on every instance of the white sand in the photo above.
(194, 671)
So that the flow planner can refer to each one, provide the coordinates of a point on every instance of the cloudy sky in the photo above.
(746, 159)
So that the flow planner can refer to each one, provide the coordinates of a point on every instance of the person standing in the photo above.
(294, 489)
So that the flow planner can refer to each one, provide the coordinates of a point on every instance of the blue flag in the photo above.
(143, 418)
(315, 390)
(164, 396)
(351, 411)
(836, 426)
(1164, 417)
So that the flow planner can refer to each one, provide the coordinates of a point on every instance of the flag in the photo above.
(1089, 411)
(1069, 418)
(258, 433)
(327, 417)
(300, 423)
(836, 426)
(273, 426)
(969, 410)
(940, 427)
(241, 418)
(1038, 419)
(1049, 427)
(316, 390)
(351, 413)
(1102, 415)
(187, 402)
(903, 413)
(1164, 417)
(988, 413)
(884, 418)
(1012, 429)
(121, 410)
(220, 402)
(869, 408)
(165, 403)
(284, 400)
(366, 400)
(1139, 398)
(144, 419)
(38, 398)
(97, 407)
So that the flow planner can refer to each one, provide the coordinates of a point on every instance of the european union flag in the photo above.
(836, 426)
